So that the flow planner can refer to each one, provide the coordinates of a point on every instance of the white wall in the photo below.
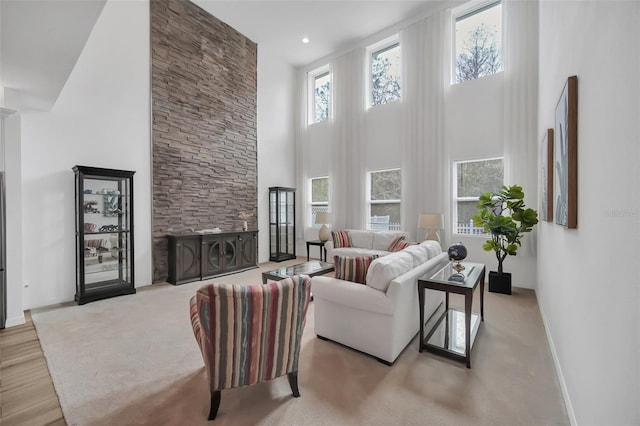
(588, 288)
(276, 130)
(473, 129)
(13, 220)
(474, 121)
(101, 119)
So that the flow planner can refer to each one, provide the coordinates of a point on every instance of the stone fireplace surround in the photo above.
(204, 93)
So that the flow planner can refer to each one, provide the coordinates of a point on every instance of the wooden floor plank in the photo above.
(27, 394)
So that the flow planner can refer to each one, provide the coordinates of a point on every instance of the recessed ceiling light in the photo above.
(305, 40)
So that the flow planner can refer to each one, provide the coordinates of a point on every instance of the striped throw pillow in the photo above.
(341, 239)
(397, 244)
(353, 269)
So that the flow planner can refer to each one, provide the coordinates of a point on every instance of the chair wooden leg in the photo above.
(215, 404)
(293, 382)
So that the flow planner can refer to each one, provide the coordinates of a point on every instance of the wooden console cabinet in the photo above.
(195, 257)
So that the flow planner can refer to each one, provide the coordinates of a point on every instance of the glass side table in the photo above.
(454, 332)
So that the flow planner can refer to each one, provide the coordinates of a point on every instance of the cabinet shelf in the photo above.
(101, 267)
(122, 231)
(104, 256)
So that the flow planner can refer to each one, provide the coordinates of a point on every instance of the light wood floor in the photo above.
(27, 395)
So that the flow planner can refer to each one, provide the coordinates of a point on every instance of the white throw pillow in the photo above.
(382, 239)
(433, 248)
(385, 269)
(419, 254)
(362, 239)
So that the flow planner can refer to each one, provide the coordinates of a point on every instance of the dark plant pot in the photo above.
(500, 283)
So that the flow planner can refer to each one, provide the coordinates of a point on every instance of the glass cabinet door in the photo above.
(104, 233)
(282, 223)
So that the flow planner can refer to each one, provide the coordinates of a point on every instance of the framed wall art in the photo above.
(546, 176)
(565, 135)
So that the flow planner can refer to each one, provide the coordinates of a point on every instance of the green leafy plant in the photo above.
(504, 215)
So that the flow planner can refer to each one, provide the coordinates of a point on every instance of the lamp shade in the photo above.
(323, 218)
(430, 221)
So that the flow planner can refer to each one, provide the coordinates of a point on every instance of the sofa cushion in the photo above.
(363, 239)
(433, 248)
(418, 253)
(340, 239)
(397, 244)
(352, 269)
(385, 269)
(382, 239)
(356, 252)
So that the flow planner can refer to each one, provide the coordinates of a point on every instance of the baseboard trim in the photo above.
(556, 363)
(12, 322)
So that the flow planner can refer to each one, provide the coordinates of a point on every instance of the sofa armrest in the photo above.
(350, 294)
(328, 246)
(408, 281)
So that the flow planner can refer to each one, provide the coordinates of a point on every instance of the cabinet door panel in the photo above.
(212, 262)
(188, 261)
(247, 245)
(231, 260)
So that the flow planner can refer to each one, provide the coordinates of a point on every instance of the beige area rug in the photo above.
(133, 360)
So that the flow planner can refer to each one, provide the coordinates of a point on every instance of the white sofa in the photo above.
(380, 321)
(364, 243)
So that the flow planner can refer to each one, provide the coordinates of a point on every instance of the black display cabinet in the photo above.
(282, 223)
(104, 233)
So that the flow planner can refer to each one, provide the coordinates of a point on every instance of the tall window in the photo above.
(478, 42)
(319, 197)
(385, 74)
(384, 200)
(473, 178)
(320, 96)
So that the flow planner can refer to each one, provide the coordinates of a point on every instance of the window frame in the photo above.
(312, 77)
(313, 204)
(456, 199)
(376, 48)
(464, 11)
(370, 201)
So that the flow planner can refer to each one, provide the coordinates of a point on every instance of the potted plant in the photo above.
(504, 215)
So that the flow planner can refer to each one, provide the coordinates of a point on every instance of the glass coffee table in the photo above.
(312, 269)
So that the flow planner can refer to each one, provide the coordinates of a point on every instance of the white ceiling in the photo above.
(41, 40)
(279, 26)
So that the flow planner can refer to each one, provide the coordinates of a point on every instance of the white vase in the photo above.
(323, 234)
(245, 227)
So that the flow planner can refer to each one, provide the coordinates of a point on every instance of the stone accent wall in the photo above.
(204, 85)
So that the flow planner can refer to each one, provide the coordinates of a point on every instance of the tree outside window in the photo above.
(321, 97)
(385, 75)
(479, 43)
(384, 200)
(472, 179)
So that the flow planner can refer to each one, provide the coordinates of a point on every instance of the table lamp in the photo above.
(323, 218)
(432, 222)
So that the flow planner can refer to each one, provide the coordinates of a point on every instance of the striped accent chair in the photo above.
(250, 333)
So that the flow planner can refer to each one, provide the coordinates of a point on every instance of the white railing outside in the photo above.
(382, 223)
(468, 228)
(317, 209)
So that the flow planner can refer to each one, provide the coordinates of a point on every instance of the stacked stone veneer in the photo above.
(203, 77)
